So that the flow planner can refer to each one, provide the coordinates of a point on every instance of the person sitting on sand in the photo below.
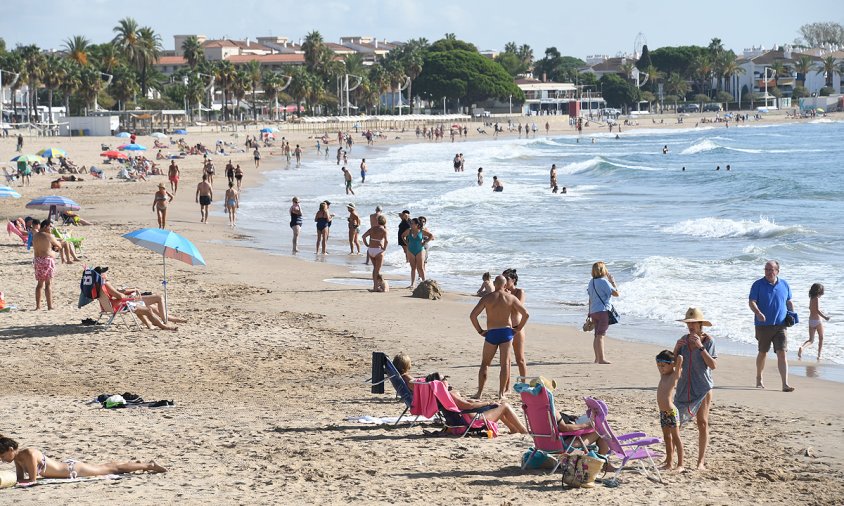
(486, 286)
(501, 410)
(402, 363)
(31, 464)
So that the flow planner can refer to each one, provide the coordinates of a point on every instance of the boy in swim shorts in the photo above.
(669, 369)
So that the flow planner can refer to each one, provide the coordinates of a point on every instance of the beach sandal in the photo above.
(89, 321)
(787, 389)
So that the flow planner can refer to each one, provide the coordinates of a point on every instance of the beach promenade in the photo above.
(272, 361)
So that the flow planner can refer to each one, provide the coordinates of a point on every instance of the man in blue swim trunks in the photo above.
(501, 308)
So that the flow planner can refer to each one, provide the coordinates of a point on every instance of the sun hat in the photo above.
(549, 384)
(350, 205)
(161, 185)
(694, 315)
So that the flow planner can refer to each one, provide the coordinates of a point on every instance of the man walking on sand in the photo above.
(44, 246)
(501, 309)
(173, 175)
(770, 297)
(204, 196)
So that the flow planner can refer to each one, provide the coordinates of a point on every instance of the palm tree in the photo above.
(77, 49)
(127, 39)
(380, 80)
(124, 85)
(107, 57)
(150, 52)
(253, 70)
(271, 83)
(396, 77)
(626, 69)
(32, 73)
(804, 64)
(52, 78)
(702, 70)
(317, 53)
(731, 68)
(225, 73)
(827, 66)
(69, 71)
(240, 85)
(298, 88)
(90, 84)
(192, 51)
(677, 85)
(780, 70)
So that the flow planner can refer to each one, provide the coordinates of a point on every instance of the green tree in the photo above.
(676, 59)
(799, 92)
(224, 72)
(106, 57)
(455, 73)
(817, 34)
(32, 73)
(127, 40)
(90, 85)
(644, 61)
(240, 85)
(51, 78)
(192, 51)
(69, 71)
(317, 54)
(677, 85)
(124, 85)
(617, 91)
(253, 70)
(803, 66)
(827, 66)
(150, 52)
(77, 48)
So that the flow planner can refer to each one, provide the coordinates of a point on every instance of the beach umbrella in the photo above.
(158, 135)
(6, 192)
(54, 204)
(170, 245)
(53, 153)
(269, 130)
(123, 135)
(28, 159)
(114, 154)
(132, 147)
(180, 131)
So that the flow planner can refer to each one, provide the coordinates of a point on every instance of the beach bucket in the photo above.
(8, 479)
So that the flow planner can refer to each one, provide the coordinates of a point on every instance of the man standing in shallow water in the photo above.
(501, 309)
(770, 296)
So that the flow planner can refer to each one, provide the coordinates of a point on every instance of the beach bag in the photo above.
(612, 314)
(539, 460)
(580, 470)
(589, 324)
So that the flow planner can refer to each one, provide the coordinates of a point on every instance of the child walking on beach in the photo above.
(669, 369)
(815, 315)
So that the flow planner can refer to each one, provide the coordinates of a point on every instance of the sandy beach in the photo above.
(272, 361)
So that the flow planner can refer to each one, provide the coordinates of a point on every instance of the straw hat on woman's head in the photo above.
(695, 315)
(161, 185)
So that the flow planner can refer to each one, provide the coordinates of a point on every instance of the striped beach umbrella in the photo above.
(28, 159)
(52, 152)
(6, 192)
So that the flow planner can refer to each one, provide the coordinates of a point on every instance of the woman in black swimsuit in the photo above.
(295, 222)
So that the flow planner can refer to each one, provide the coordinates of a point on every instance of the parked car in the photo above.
(712, 107)
(689, 108)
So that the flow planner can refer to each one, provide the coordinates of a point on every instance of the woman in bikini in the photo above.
(159, 204)
(323, 221)
(31, 464)
(417, 237)
(375, 240)
(232, 203)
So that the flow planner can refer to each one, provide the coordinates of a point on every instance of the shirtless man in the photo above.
(363, 171)
(553, 175)
(173, 175)
(44, 246)
(347, 177)
(204, 195)
(298, 154)
(501, 309)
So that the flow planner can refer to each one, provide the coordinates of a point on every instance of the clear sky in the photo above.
(576, 28)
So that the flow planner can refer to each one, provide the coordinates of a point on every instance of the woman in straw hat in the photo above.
(159, 204)
(694, 390)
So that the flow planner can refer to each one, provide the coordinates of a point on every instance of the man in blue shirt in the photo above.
(770, 297)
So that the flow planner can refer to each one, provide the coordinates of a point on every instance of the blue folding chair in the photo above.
(383, 366)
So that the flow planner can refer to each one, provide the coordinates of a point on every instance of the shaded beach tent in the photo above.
(114, 154)
(269, 130)
(157, 135)
(7, 192)
(123, 135)
(52, 152)
(28, 159)
(180, 131)
(132, 147)
(55, 204)
(170, 245)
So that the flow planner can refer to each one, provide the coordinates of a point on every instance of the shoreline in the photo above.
(272, 361)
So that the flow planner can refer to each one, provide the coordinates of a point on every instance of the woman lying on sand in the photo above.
(31, 464)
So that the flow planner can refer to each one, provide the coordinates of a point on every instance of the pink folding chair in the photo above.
(541, 421)
(430, 398)
(629, 447)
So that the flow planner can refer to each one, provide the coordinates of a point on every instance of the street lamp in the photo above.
(2, 96)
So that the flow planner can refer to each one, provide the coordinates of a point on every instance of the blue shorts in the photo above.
(499, 336)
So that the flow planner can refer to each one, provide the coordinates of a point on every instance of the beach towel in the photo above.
(89, 287)
(380, 420)
(12, 229)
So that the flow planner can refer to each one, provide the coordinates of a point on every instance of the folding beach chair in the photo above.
(629, 447)
(541, 421)
(91, 289)
(430, 398)
(382, 366)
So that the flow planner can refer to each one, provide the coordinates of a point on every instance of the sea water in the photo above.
(672, 238)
